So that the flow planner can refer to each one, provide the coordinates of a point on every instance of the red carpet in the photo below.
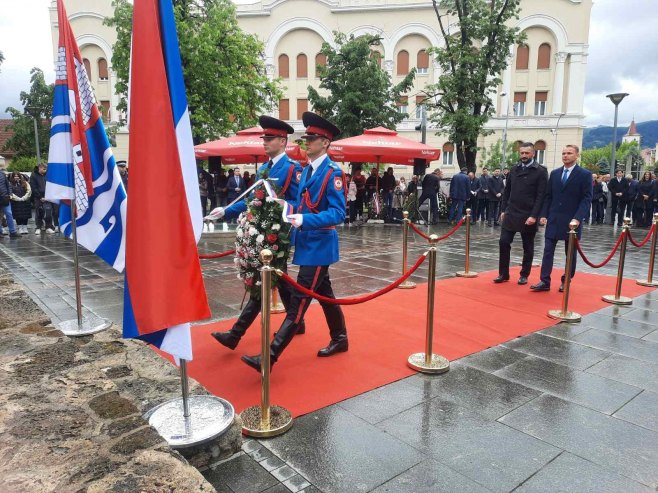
(470, 315)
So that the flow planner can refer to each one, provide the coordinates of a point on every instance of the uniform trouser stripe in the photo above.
(307, 299)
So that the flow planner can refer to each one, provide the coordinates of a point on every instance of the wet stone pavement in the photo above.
(570, 408)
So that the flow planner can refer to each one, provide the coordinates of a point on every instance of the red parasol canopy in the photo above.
(244, 147)
(381, 145)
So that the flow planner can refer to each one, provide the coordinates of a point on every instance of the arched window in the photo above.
(448, 153)
(403, 62)
(320, 59)
(540, 151)
(544, 57)
(102, 69)
(87, 67)
(375, 55)
(302, 66)
(522, 56)
(284, 109)
(284, 66)
(423, 62)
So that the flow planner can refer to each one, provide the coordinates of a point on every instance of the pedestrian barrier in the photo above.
(652, 255)
(467, 254)
(217, 255)
(564, 314)
(440, 238)
(405, 237)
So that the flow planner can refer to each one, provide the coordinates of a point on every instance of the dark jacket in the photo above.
(475, 187)
(21, 209)
(496, 186)
(616, 187)
(566, 202)
(597, 193)
(38, 185)
(633, 190)
(5, 188)
(523, 195)
(387, 182)
(460, 187)
(431, 183)
(644, 188)
(233, 183)
(483, 191)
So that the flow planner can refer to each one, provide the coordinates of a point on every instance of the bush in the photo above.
(23, 164)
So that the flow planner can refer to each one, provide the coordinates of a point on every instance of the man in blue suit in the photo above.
(319, 207)
(460, 191)
(568, 197)
(286, 174)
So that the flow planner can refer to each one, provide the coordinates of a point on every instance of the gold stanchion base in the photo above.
(278, 308)
(407, 285)
(463, 273)
(438, 364)
(280, 422)
(651, 284)
(571, 317)
(622, 300)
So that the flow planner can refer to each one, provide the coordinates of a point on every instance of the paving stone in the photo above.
(641, 315)
(241, 475)
(653, 336)
(557, 350)
(645, 304)
(356, 456)
(493, 359)
(618, 325)
(617, 310)
(576, 386)
(620, 344)
(279, 488)
(283, 473)
(297, 483)
(642, 410)
(272, 463)
(565, 330)
(614, 444)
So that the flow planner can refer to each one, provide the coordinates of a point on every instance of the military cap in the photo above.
(122, 164)
(316, 126)
(272, 127)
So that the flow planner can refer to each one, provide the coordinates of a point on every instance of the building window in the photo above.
(321, 60)
(87, 67)
(420, 104)
(540, 103)
(102, 69)
(423, 62)
(302, 66)
(522, 57)
(284, 109)
(448, 153)
(519, 103)
(105, 111)
(284, 66)
(403, 105)
(377, 56)
(302, 107)
(403, 62)
(540, 151)
(544, 57)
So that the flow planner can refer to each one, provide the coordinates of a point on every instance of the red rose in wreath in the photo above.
(260, 194)
(272, 237)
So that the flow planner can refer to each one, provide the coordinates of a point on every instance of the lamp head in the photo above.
(617, 97)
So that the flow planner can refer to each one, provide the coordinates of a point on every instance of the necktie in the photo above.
(269, 164)
(565, 176)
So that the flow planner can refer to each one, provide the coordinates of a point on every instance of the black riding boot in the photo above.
(231, 337)
(281, 340)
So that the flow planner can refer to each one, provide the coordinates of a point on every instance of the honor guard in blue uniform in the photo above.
(319, 207)
(286, 174)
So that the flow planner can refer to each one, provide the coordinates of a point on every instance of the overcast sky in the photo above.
(623, 56)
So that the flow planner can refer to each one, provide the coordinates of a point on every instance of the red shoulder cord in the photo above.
(313, 207)
(291, 170)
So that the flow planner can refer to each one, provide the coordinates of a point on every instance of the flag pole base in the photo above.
(469, 274)
(622, 300)
(438, 364)
(651, 284)
(280, 422)
(209, 417)
(90, 325)
(571, 317)
(407, 285)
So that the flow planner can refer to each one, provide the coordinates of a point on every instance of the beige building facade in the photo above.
(540, 99)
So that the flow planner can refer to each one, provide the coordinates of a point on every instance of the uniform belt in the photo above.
(329, 227)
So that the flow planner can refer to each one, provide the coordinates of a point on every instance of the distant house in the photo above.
(5, 135)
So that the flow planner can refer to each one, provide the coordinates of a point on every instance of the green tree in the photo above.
(223, 67)
(591, 158)
(492, 158)
(604, 165)
(360, 93)
(37, 103)
(22, 164)
(2, 57)
(474, 55)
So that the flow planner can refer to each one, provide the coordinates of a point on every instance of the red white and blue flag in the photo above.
(164, 288)
(81, 166)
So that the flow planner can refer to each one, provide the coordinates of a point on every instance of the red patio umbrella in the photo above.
(244, 147)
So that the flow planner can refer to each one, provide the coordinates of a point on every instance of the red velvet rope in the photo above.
(217, 255)
(353, 301)
(444, 237)
(609, 257)
(646, 238)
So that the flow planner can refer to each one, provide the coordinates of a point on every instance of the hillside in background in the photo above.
(602, 136)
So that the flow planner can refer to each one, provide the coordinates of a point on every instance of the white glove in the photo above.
(275, 199)
(296, 220)
(215, 214)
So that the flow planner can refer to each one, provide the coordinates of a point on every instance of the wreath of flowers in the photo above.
(260, 227)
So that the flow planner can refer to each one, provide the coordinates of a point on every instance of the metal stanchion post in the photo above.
(564, 314)
(652, 256)
(427, 362)
(617, 298)
(405, 238)
(276, 306)
(265, 421)
(467, 259)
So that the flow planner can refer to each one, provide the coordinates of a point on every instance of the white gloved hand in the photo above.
(296, 220)
(215, 214)
(275, 199)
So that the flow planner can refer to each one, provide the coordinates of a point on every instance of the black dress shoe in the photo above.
(226, 339)
(523, 280)
(333, 348)
(540, 286)
(500, 279)
(561, 290)
(254, 362)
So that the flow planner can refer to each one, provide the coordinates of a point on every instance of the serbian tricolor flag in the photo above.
(81, 167)
(164, 288)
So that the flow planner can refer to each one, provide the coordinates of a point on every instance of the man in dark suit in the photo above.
(236, 185)
(482, 196)
(629, 198)
(522, 200)
(496, 187)
(473, 197)
(598, 200)
(430, 191)
(618, 188)
(460, 190)
(568, 197)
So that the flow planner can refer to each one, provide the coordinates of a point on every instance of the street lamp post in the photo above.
(504, 94)
(557, 126)
(35, 112)
(616, 98)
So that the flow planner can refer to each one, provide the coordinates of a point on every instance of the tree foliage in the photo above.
(359, 92)
(477, 37)
(39, 102)
(223, 67)
(628, 158)
(22, 164)
(492, 158)
(2, 57)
